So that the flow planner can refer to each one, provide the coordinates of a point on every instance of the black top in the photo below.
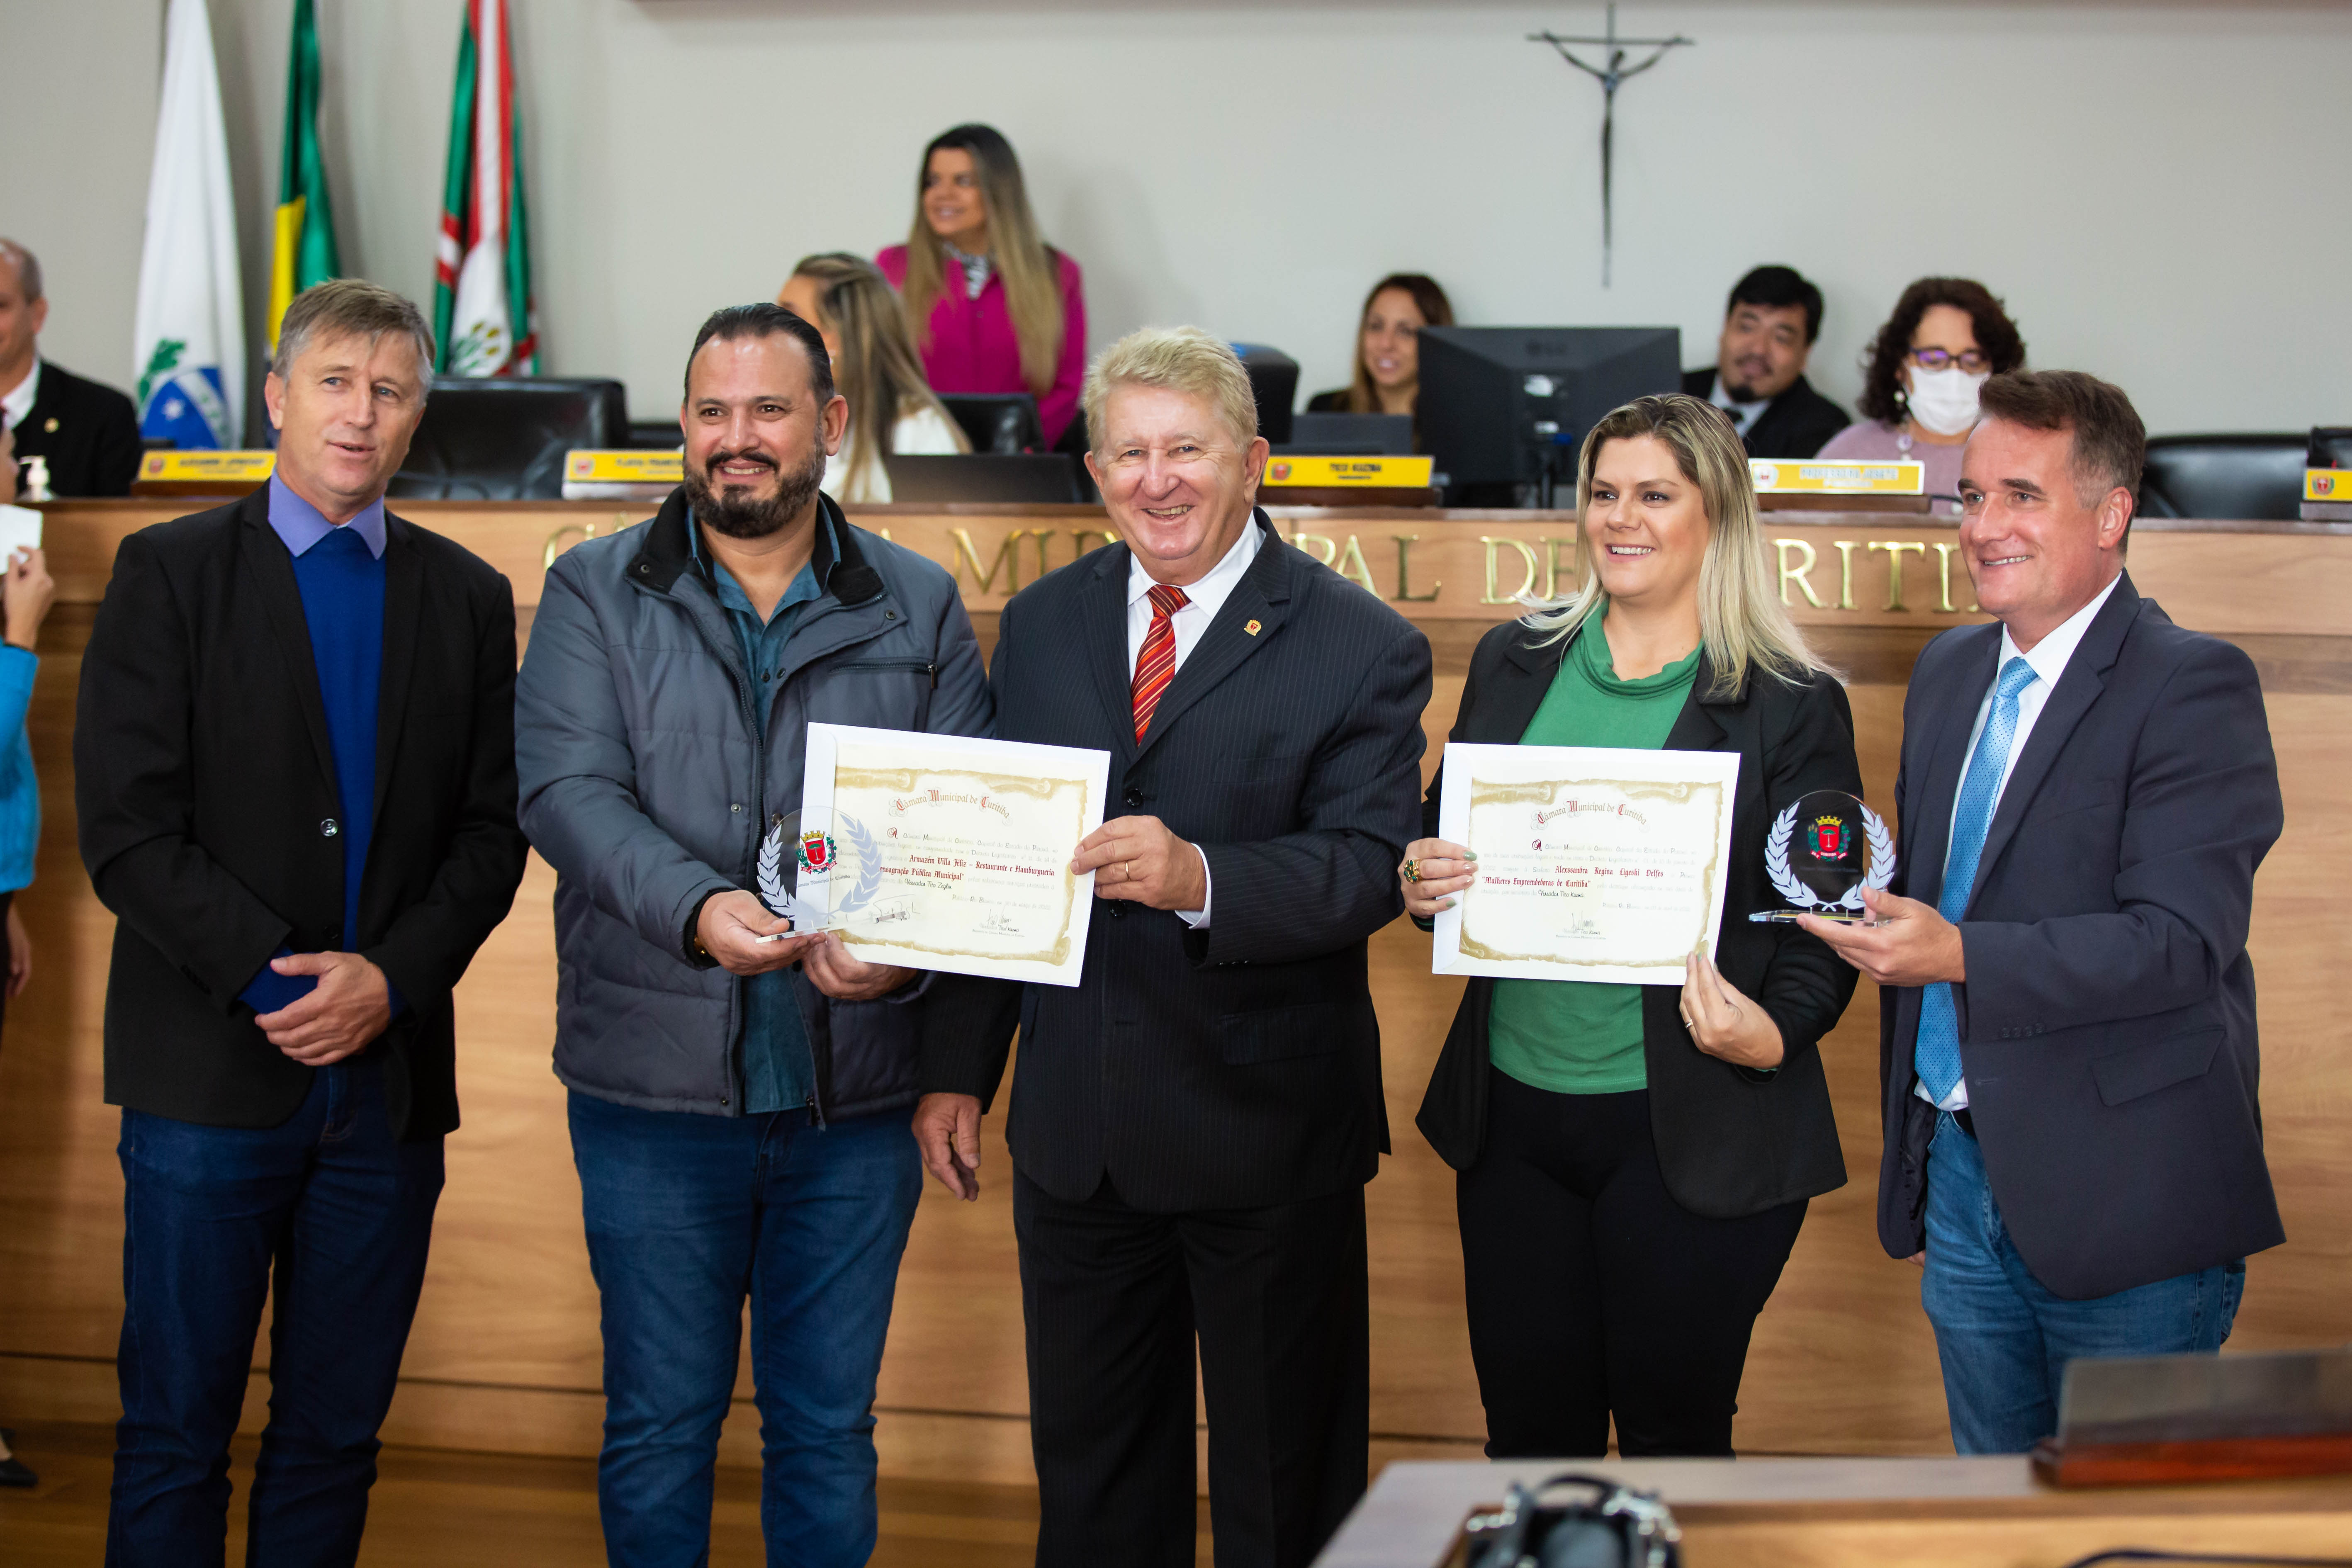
(206, 795)
(89, 432)
(1731, 1142)
(2107, 1027)
(1797, 424)
(1236, 1066)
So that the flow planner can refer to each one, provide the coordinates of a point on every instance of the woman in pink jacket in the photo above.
(993, 307)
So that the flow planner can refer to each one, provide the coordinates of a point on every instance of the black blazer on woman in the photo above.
(206, 791)
(1731, 1142)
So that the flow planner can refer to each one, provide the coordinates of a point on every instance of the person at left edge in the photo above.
(294, 769)
(738, 1108)
(87, 433)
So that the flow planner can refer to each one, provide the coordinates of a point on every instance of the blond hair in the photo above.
(878, 371)
(1030, 268)
(1740, 617)
(1179, 358)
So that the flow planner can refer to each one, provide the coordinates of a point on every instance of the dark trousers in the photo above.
(330, 1218)
(1592, 1293)
(1114, 1297)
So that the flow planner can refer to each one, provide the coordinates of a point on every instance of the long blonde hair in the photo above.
(877, 369)
(1741, 620)
(1029, 267)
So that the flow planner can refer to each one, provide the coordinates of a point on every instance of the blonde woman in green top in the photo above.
(1634, 1162)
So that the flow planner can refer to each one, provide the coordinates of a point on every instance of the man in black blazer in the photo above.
(1757, 379)
(294, 770)
(88, 434)
(1193, 1123)
(2067, 1014)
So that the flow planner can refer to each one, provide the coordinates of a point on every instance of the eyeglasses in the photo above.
(1974, 359)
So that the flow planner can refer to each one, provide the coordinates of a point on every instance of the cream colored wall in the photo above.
(2146, 185)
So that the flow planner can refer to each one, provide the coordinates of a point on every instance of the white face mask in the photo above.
(1944, 401)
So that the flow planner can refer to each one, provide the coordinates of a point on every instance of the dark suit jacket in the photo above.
(203, 779)
(2107, 1023)
(1797, 424)
(1236, 1066)
(1730, 1142)
(89, 432)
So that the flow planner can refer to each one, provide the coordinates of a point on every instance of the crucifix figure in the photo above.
(1611, 77)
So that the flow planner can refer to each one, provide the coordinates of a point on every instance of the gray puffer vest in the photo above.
(645, 785)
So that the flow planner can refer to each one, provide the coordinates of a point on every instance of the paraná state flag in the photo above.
(306, 219)
(483, 314)
(190, 331)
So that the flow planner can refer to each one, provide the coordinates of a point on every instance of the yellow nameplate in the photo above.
(2327, 484)
(239, 467)
(1378, 473)
(1786, 476)
(642, 466)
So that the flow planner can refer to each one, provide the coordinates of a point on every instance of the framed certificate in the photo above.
(1594, 863)
(944, 852)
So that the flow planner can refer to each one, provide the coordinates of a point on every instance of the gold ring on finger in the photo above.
(1412, 869)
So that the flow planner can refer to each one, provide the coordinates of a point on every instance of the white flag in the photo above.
(190, 325)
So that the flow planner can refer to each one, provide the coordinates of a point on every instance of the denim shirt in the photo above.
(779, 1071)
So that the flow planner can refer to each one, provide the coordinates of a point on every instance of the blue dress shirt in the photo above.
(339, 570)
(779, 1070)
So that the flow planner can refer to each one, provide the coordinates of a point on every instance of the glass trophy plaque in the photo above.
(1822, 852)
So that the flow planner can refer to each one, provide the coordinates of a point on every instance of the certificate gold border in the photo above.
(1545, 792)
(1043, 789)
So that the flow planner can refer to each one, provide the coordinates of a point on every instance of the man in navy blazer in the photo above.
(2067, 1036)
(1193, 1123)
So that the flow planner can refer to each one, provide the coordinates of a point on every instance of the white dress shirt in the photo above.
(1743, 414)
(2049, 658)
(1205, 599)
(17, 401)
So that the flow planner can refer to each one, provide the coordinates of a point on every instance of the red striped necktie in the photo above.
(1155, 666)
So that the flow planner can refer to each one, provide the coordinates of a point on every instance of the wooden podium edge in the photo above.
(2210, 1459)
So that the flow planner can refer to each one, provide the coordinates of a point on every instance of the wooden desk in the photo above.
(1862, 1513)
(505, 1354)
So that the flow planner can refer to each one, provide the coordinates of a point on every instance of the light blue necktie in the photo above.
(1937, 1056)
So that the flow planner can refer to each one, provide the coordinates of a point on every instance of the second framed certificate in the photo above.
(943, 852)
(1594, 863)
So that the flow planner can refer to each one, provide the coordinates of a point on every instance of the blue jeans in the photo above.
(686, 1214)
(2005, 1340)
(331, 1218)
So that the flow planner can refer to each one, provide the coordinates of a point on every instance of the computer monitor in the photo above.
(1273, 378)
(1351, 434)
(1509, 406)
(1026, 478)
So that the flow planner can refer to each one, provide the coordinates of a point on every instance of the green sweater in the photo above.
(1572, 1037)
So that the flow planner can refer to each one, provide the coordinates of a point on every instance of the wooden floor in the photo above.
(436, 1508)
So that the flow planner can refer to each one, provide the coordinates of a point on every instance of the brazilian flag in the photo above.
(306, 220)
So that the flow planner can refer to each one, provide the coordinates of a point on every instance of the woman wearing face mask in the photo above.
(1634, 1162)
(1388, 349)
(992, 306)
(1919, 388)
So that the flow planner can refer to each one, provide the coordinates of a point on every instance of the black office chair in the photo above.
(655, 436)
(2331, 446)
(2224, 477)
(1274, 379)
(1001, 422)
(503, 437)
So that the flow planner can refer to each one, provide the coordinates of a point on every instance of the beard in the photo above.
(736, 512)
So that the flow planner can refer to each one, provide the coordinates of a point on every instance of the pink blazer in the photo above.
(973, 348)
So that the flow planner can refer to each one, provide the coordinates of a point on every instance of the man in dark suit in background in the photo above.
(88, 434)
(2067, 1020)
(294, 766)
(1194, 1122)
(1759, 374)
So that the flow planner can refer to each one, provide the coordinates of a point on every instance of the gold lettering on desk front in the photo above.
(1797, 574)
(1894, 550)
(1405, 594)
(1527, 558)
(558, 541)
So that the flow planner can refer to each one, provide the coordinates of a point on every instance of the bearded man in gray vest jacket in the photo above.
(738, 1090)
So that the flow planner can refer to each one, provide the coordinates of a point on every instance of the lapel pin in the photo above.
(51, 428)
(1253, 627)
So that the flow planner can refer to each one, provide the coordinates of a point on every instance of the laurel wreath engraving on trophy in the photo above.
(1875, 877)
(771, 869)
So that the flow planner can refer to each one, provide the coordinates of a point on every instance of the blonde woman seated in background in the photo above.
(892, 411)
